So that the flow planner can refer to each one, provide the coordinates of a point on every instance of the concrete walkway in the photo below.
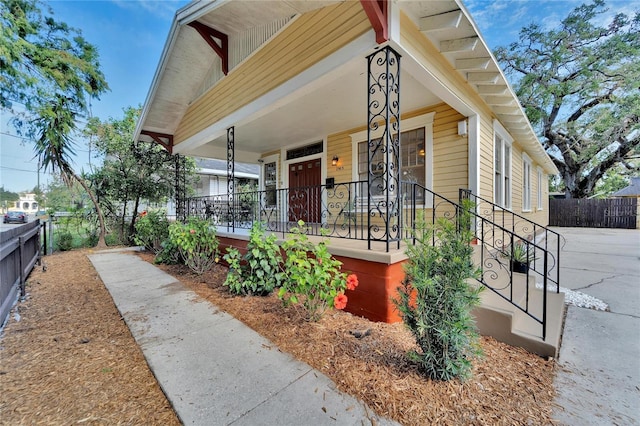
(598, 380)
(214, 369)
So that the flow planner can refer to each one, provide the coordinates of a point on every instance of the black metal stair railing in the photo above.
(527, 231)
(498, 246)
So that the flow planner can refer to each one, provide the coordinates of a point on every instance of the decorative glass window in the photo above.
(270, 183)
(502, 167)
(304, 151)
(526, 183)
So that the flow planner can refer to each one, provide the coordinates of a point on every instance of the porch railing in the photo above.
(343, 210)
(339, 210)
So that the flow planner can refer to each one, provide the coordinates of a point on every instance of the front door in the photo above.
(304, 191)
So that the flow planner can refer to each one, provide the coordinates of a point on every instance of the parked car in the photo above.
(15, 217)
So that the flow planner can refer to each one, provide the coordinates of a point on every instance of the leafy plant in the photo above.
(152, 228)
(522, 253)
(258, 272)
(313, 278)
(197, 244)
(65, 241)
(168, 254)
(435, 300)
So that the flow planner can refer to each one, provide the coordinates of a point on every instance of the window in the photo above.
(270, 176)
(526, 183)
(540, 188)
(25, 206)
(416, 155)
(502, 167)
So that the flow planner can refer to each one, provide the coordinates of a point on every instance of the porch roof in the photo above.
(340, 95)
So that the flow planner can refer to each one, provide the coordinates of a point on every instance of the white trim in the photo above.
(507, 141)
(540, 192)
(526, 183)
(474, 153)
(274, 158)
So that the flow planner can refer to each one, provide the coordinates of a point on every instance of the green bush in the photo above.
(91, 240)
(313, 277)
(196, 242)
(435, 300)
(152, 228)
(168, 254)
(258, 272)
(64, 241)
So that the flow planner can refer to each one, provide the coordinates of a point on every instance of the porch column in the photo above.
(383, 160)
(231, 177)
(180, 188)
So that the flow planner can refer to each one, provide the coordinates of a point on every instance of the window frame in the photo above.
(526, 183)
(540, 189)
(503, 143)
(406, 125)
(274, 158)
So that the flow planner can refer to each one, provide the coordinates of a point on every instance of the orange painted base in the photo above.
(378, 283)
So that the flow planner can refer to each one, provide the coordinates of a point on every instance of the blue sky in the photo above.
(130, 36)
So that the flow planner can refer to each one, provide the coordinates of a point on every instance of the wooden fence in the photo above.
(19, 252)
(607, 213)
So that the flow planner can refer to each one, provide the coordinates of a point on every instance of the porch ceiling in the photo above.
(313, 112)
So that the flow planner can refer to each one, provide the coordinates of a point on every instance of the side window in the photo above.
(502, 170)
(270, 183)
(526, 183)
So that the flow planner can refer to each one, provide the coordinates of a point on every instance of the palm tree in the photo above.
(53, 146)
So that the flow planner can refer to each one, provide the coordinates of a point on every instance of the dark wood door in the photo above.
(304, 191)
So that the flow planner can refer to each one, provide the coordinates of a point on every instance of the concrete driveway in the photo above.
(598, 379)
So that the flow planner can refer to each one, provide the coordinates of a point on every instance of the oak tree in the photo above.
(579, 84)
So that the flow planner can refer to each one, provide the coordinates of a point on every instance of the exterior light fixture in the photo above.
(334, 161)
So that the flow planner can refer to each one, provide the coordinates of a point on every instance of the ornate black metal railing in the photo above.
(346, 210)
(529, 233)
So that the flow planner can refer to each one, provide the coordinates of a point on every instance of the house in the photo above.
(362, 115)
(27, 203)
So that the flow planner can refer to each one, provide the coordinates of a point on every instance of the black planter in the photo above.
(521, 267)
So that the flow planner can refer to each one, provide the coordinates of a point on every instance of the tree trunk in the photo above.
(132, 225)
(101, 241)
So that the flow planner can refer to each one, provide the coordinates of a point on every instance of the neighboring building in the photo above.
(314, 92)
(631, 191)
(212, 176)
(27, 203)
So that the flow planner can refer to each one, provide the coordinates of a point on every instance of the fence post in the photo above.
(21, 262)
(51, 234)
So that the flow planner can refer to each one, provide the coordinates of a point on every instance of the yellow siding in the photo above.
(309, 39)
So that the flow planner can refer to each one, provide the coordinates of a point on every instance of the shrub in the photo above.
(64, 241)
(313, 277)
(152, 228)
(196, 242)
(168, 254)
(435, 300)
(258, 272)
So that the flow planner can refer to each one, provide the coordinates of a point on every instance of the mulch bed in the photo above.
(509, 385)
(71, 359)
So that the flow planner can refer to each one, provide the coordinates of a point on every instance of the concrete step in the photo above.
(502, 320)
